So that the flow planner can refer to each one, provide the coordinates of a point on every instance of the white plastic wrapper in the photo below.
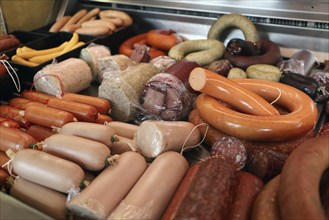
(69, 76)
(92, 55)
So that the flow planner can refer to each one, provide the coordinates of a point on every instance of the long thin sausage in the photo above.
(151, 195)
(106, 191)
(305, 166)
(47, 170)
(301, 119)
(225, 89)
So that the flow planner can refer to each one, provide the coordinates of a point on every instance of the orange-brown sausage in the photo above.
(15, 114)
(47, 116)
(36, 96)
(102, 105)
(225, 89)
(162, 39)
(305, 166)
(14, 139)
(103, 119)
(82, 112)
(22, 103)
(3, 160)
(127, 47)
(39, 132)
(299, 122)
(7, 122)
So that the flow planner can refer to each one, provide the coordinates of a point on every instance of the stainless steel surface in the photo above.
(292, 24)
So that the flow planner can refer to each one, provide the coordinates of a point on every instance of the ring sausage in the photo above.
(304, 166)
(127, 20)
(233, 20)
(230, 92)
(162, 39)
(300, 121)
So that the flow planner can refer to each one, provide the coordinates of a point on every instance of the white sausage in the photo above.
(47, 170)
(151, 195)
(106, 191)
(123, 129)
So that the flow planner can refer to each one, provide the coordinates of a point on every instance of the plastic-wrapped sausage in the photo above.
(71, 75)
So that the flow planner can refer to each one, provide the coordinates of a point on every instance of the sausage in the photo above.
(145, 200)
(47, 170)
(248, 187)
(233, 20)
(123, 129)
(3, 160)
(9, 123)
(127, 20)
(36, 96)
(103, 119)
(8, 43)
(39, 132)
(266, 205)
(15, 114)
(106, 191)
(98, 23)
(22, 103)
(102, 105)
(70, 28)
(232, 149)
(127, 47)
(299, 122)
(203, 195)
(155, 137)
(163, 39)
(122, 144)
(115, 20)
(230, 92)
(83, 112)
(48, 116)
(89, 154)
(221, 67)
(201, 51)
(305, 166)
(163, 62)
(89, 15)
(94, 31)
(4, 175)
(59, 24)
(140, 54)
(96, 132)
(76, 17)
(42, 198)
(269, 54)
(263, 71)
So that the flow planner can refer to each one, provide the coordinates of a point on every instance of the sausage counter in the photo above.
(167, 110)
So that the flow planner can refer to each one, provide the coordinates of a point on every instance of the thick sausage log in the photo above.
(42, 198)
(266, 205)
(150, 196)
(48, 116)
(305, 166)
(123, 129)
(15, 139)
(36, 96)
(83, 112)
(107, 190)
(47, 170)
(90, 155)
(39, 132)
(96, 132)
(15, 114)
(155, 137)
(230, 92)
(206, 191)
(22, 103)
(9, 123)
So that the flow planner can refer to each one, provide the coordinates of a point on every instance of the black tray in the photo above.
(26, 73)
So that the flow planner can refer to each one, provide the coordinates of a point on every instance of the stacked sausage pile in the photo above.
(94, 22)
(259, 133)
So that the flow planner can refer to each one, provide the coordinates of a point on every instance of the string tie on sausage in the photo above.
(12, 73)
(280, 93)
(188, 136)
